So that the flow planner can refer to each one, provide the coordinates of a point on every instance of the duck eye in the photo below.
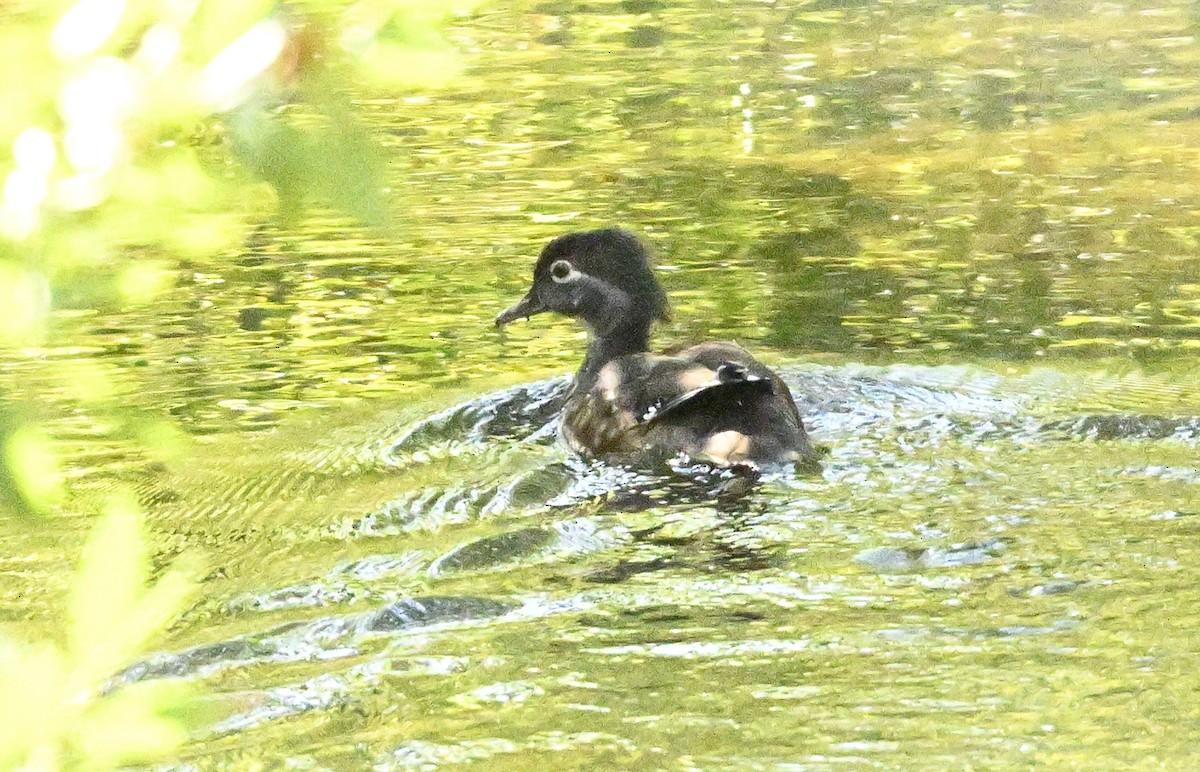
(561, 270)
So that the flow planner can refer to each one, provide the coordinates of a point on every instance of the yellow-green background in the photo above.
(1011, 185)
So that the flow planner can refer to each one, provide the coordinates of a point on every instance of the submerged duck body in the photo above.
(713, 401)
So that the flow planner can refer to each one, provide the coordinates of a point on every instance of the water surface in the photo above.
(969, 234)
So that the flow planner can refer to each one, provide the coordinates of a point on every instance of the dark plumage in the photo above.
(713, 401)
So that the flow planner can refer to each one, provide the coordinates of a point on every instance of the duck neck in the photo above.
(632, 337)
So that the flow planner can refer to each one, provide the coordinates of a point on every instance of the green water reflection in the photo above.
(1011, 184)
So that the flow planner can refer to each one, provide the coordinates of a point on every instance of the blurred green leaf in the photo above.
(110, 585)
(38, 674)
(108, 582)
(144, 280)
(350, 170)
(33, 469)
(25, 298)
(63, 711)
(396, 66)
(338, 164)
(23, 49)
(163, 440)
(138, 112)
(217, 23)
(133, 725)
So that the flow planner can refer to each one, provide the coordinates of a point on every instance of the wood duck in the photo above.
(713, 401)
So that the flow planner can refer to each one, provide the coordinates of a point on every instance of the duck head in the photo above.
(602, 278)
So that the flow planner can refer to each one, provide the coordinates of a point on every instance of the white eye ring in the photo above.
(562, 271)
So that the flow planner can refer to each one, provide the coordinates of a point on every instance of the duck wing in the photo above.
(732, 363)
(712, 401)
(715, 397)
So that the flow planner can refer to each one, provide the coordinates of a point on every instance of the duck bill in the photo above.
(525, 308)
